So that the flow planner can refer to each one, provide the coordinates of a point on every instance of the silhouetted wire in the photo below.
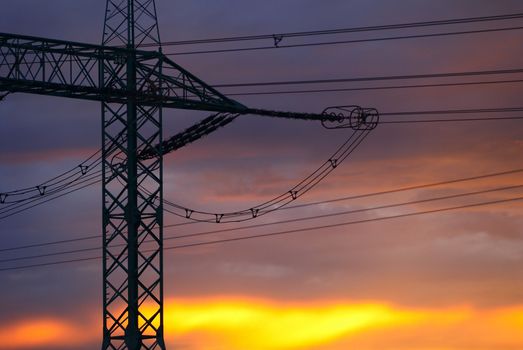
(22, 203)
(49, 191)
(373, 78)
(57, 181)
(261, 209)
(342, 224)
(62, 241)
(508, 109)
(82, 170)
(8, 207)
(284, 92)
(454, 120)
(403, 189)
(340, 199)
(383, 114)
(307, 218)
(25, 206)
(346, 212)
(278, 233)
(453, 111)
(341, 30)
(343, 42)
(279, 37)
(50, 199)
(277, 202)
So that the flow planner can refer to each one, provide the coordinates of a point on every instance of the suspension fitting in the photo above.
(354, 117)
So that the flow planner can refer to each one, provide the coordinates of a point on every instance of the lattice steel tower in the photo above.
(132, 187)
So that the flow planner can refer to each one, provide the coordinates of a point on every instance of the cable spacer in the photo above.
(188, 213)
(294, 194)
(83, 169)
(277, 39)
(334, 162)
(255, 212)
(3, 197)
(41, 189)
(218, 218)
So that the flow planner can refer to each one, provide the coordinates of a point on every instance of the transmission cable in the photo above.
(374, 78)
(344, 151)
(391, 87)
(54, 184)
(8, 208)
(510, 16)
(307, 218)
(360, 196)
(344, 42)
(277, 233)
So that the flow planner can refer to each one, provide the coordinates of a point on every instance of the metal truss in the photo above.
(69, 69)
(130, 23)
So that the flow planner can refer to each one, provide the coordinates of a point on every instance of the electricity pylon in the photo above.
(133, 86)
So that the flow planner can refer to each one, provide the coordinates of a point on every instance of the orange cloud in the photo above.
(43, 332)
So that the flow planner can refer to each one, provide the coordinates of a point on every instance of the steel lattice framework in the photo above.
(133, 86)
(132, 192)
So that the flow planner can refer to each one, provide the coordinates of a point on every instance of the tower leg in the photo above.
(132, 223)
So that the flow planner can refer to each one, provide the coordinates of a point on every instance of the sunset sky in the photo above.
(449, 280)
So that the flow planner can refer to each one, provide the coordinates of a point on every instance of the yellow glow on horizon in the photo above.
(260, 325)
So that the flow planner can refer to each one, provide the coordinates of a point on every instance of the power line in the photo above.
(345, 212)
(344, 42)
(307, 218)
(50, 199)
(309, 182)
(41, 199)
(342, 153)
(407, 188)
(55, 183)
(277, 233)
(56, 187)
(283, 92)
(448, 120)
(340, 199)
(22, 205)
(342, 30)
(374, 78)
(454, 111)
(234, 239)
(277, 38)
